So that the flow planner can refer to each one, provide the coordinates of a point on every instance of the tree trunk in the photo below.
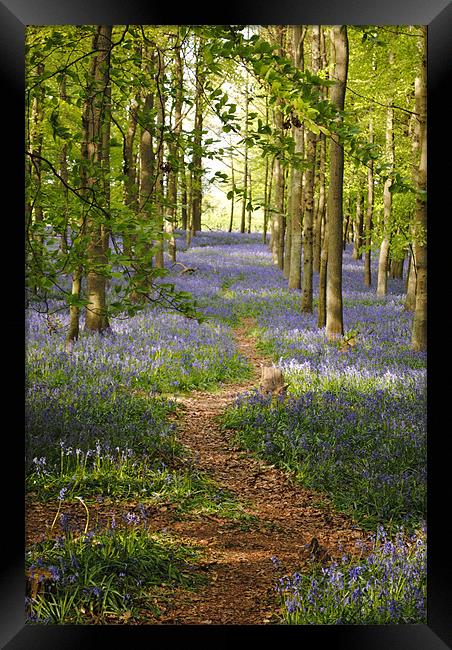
(190, 231)
(369, 214)
(267, 183)
(250, 200)
(382, 280)
(287, 230)
(130, 171)
(146, 190)
(359, 221)
(197, 147)
(397, 269)
(279, 178)
(320, 214)
(410, 300)
(96, 123)
(282, 216)
(320, 208)
(74, 310)
(231, 219)
(245, 168)
(184, 197)
(308, 191)
(174, 151)
(159, 174)
(334, 316)
(419, 333)
(321, 313)
(294, 204)
(345, 227)
(65, 178)
(34, 214)
(278, 181)
(308, 212)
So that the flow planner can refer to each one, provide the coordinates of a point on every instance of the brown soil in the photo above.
(237, 556)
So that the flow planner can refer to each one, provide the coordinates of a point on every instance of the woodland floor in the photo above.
(237, 563)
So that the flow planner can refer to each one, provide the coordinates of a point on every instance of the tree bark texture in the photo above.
(369, 214)
(308, 192)
(419, 333)
(196, 192)
(334, 315)
(382, 280)
(159, 174)
(95, 179)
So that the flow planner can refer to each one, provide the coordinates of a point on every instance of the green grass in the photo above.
(105, 577)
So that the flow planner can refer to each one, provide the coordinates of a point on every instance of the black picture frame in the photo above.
(437, 14)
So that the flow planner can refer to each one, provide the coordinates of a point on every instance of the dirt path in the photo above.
(237, 556)
(242, 578)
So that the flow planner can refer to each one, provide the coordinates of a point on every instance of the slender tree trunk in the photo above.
(294, 205)
(382, 280)
(37, 140)
(74, 310)
(231, 219)
(295, 218)
(146, 196)
(264, 233)
(282, 217)
(190, 230)
(184, 197)
(245, 168)
(34, 211)
(397, 269)
(322, 208)
(174, 153)
(320, 211)
(159, 180)
(277, 237)
(287, 228)
(267, 185)
(419, 333)
(130, 171)
(96, 122)
(410, 300)
(334, 316)
(344, 236)
(197, 147)
(308, 219)
(65, 178)
(278, 181)
(105, 167)
(321, 314)
(369, 214)
(359, 221)
(250, 200)
(267, 213)
(308, 193)
(320, 215)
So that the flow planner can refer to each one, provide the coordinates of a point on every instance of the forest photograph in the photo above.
(226, 324)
